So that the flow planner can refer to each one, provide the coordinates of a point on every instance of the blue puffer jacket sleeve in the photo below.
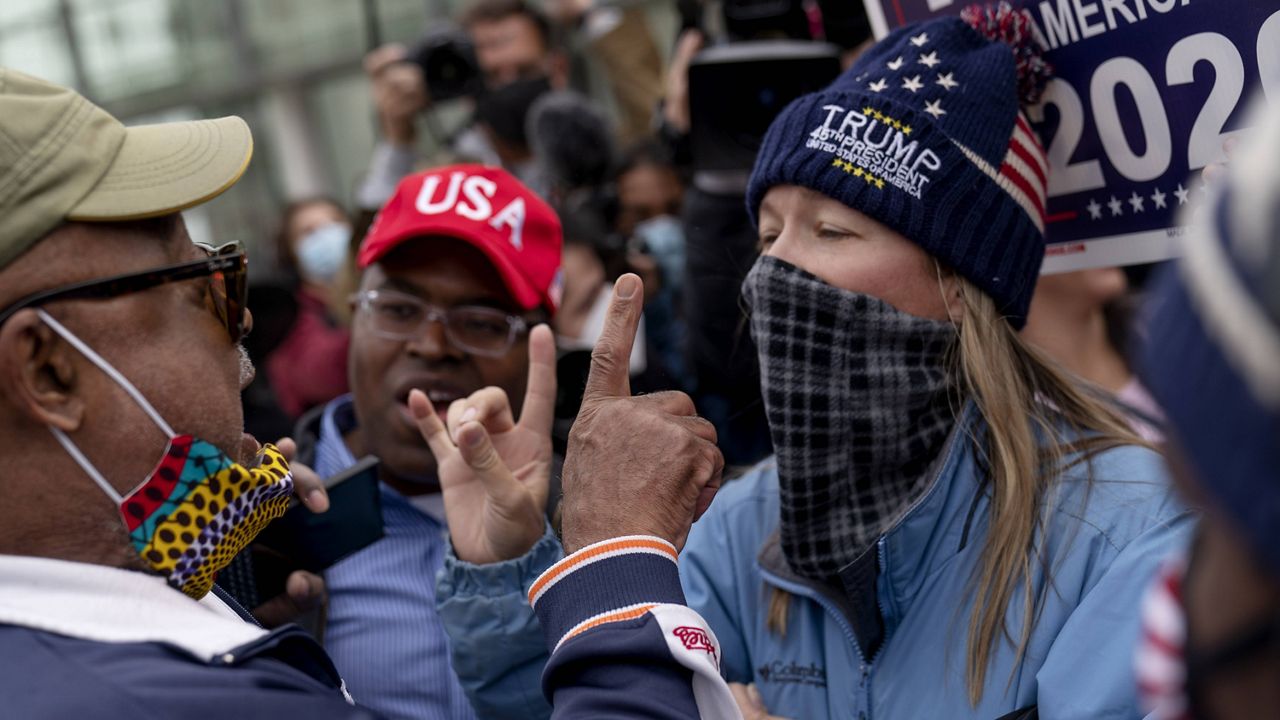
(495, 642)
(624, 645)
(711, 566)
(1087, 672)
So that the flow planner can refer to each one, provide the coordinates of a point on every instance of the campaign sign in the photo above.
(1145, 94)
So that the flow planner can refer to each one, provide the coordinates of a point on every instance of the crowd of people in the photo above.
(566, 433)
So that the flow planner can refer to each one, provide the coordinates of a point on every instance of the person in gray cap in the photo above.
(128, 482)
(1210, 647)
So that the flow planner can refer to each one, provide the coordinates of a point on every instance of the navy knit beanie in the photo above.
(925, 134)
(1211, 351)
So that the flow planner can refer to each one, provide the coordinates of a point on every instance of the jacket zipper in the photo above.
(803, 591)
(882, 558)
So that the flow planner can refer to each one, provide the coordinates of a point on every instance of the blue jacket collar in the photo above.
(933, 529)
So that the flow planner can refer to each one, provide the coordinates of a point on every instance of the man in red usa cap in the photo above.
(461, 271)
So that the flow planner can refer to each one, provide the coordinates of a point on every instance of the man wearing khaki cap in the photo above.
(127, 480)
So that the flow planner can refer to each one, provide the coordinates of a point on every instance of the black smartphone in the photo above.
(304, 540)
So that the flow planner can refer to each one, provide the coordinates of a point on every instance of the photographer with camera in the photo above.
(503, 58)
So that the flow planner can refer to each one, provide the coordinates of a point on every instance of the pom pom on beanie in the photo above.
(1002, 23)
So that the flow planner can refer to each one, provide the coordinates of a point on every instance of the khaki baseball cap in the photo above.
(64, 158)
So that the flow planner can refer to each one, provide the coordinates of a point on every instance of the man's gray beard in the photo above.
(246, 366)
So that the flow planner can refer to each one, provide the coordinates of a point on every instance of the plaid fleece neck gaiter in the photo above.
(859, 404)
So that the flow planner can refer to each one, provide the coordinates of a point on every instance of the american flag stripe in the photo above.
(1024, 138)
(1020, 181)
(1035, 188)
(1018, 194)
(1027, 145)
(1032, 161)
(1160, 674)
(1022, 125)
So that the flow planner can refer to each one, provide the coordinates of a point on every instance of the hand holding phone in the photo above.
(314, 541)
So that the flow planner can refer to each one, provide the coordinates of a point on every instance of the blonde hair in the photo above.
(1040, 422)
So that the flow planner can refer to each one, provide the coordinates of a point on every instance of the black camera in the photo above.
(448, 62)
(736, 90)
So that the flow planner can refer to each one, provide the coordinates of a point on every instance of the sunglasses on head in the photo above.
(226, 267)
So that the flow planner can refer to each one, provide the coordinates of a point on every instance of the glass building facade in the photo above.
(291, 68)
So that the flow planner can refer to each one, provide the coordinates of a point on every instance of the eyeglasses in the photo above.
(226, 267)
(479, 330)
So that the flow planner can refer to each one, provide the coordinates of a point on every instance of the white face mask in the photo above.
(663, 238)
(323, 251)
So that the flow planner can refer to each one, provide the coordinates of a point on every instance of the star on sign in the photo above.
(1181, 193)
(857, 172)
(1158, 198)
(1136, 201)
(935, 109)
(879, 183)
(930, 60)
(1095, 210)
(878, 85)
(912, 83)
(947, 81)
(896, 64)
(920, 40)
(1116, 207)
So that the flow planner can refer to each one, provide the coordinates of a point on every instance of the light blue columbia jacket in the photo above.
(1102, 541)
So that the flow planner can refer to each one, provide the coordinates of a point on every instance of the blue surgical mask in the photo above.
(663, 238)
(323, 251)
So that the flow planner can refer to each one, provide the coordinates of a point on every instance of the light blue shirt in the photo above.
(383, 632)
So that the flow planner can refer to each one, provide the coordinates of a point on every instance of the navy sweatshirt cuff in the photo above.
(611, 581)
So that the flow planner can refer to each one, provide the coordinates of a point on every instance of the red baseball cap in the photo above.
(487, 207)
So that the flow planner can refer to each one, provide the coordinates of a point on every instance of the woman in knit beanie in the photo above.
(954, 526)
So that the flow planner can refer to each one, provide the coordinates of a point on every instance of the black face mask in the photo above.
(859, 403)
(505, 109)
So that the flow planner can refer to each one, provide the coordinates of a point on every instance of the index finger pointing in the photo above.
(611, 358)
(539, 409)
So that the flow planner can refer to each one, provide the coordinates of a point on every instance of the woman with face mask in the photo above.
(309, 367)
(952, 504)
(951, 527)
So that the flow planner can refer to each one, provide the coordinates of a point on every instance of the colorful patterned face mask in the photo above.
(198, 508)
